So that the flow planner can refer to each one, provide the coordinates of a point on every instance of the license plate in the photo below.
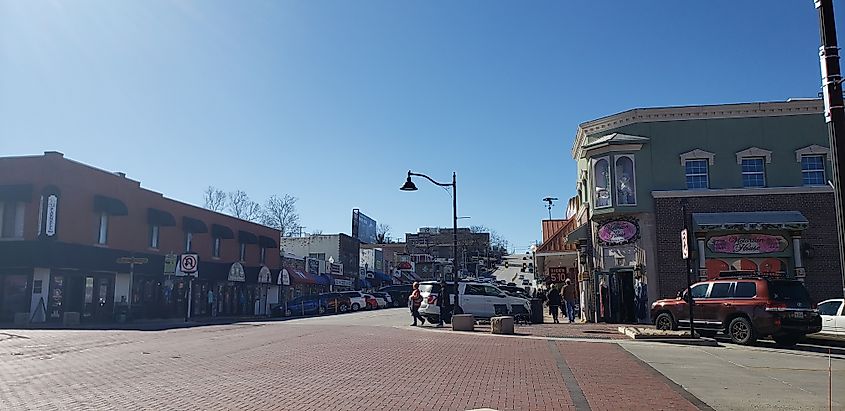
(799, 314)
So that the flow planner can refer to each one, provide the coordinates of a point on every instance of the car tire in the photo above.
(787, 340)
(741, 331)
(344, 308)
(665, 322)
(355, 307)
(321, 310)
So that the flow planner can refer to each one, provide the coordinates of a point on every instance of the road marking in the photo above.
(575, 393)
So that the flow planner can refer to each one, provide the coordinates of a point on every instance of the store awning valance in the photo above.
(579, 234)
(16, 192)
(222, 232)
(381, 276)
(109, 205)
(299, 277)
(192, 225)
(267, 242)
(323, 279)
(750, 221)
(246, 237)
(160, 218)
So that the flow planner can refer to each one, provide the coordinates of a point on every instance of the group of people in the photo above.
(565, 296)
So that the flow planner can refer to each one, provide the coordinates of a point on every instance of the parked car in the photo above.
(356, 299)
(526, 282)
(511, 284)
(336, 302)
(371, 301)
(399, 294)
(305, 305)
(514, 291)
(388, 300)
(480, 299)
(833, 318)
(745, 308)
(521, 276)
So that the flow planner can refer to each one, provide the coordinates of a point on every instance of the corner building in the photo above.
(67, 230)
(753, 179)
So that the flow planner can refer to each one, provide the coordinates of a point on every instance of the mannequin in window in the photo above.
(624, 189)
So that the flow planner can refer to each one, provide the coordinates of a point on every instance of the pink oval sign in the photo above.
(747, 244)
(617, 232)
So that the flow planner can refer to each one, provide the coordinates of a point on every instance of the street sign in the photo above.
(188, 263)
(132, 260)
(170, 262)
(684, 244)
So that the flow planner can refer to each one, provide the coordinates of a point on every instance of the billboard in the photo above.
(363, 227)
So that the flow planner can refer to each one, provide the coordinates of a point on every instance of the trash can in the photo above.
(536, 311)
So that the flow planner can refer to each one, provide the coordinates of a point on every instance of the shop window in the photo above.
(812, 170)
(744, 265)
(716, 267)
(11, 219)
(102, 234)
(753, 172)
(696, 174)
(601, 178)
(189, 241)
(626, 188)
(745, 289)
(154, 229)
(772, 266)
(215, 248)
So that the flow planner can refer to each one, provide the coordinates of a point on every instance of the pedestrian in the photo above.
(569, 294)
(414, 302)
(553, 301)
(210, 303)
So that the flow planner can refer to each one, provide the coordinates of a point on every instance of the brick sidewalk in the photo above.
(299, 366)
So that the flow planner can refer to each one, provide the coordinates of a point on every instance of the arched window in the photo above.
(715, 267)
(772, 266)
(744, 265)
(601, 178)
(626, 188)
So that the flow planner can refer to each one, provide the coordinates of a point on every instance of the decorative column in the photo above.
(800, 273)
(702, 261)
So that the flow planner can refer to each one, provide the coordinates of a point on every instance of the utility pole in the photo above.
(834, 113)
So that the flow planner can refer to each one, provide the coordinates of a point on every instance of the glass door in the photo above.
(14, 296)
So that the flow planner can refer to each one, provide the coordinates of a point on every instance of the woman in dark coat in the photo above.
(553, 303)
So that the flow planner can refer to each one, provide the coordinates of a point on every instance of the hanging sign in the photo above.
(236, 273)
(313, 266)
(747, 244)
(685, 244)
(264, 275)
(284, 277)
(618, 232)
(336, 269)
(50, 224)
(170, 262)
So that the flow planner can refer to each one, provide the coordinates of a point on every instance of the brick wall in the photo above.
(824, 278)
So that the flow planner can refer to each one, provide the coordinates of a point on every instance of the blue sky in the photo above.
(333, 101)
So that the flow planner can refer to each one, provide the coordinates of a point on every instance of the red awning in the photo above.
(299, 277)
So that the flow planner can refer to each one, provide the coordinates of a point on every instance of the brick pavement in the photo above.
(304, 366)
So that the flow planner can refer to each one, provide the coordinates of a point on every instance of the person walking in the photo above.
(569, 296)
(414, 302)
(553, 301)
(210, 298)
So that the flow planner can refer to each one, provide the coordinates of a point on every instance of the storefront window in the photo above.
(601, 178)
(715, 267)
(744, 265)
(626, 189)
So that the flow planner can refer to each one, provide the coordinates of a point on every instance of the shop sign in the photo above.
(618, 232)
(314, 266)
(170, 261)
(284, 277)
(397, 274)
(335, 269)
(557, 274)
(236, 273)
(343, 283)
(264, 275)
(747, 244)
(50, 226)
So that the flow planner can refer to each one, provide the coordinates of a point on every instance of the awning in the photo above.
(160, 218)
(750, 221)
(299, 277)
(246, 237)
(323, 279)
(109, 205)
(222, 232)
(192, 225)
(16, 192)
(579, 234)
(266, 242)
(381, 276)
(364, 283)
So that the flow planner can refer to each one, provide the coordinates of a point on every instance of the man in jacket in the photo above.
(554, 303)
(570, 295)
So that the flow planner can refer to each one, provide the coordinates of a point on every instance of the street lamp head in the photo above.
(409, 185)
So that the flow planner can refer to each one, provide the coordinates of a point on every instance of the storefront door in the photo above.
(14, 296)
(99, 297)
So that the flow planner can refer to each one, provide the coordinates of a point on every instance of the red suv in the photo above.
(745, 308)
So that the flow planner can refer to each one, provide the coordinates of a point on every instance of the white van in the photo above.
(479, 299)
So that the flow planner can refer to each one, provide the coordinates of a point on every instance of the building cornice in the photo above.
(720, 192)
(720, 111)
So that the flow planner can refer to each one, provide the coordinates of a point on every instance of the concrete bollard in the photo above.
(463, 322)
(70, 319)
(501, 325)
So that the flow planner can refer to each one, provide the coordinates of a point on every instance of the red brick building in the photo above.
(65, 225)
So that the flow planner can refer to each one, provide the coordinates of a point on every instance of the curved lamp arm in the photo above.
(430, 179)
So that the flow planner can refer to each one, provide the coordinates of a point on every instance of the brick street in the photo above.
(357, 361)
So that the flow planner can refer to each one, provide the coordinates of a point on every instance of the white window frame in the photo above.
(823, 170)
(103, 231)
(594, 188)
(189, 241)
(216, 245)
(706, 174)
(744, 173)
(18, 221)
(155, 231)
(633, 178)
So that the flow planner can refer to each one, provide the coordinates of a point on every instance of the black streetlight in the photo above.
(410, 186)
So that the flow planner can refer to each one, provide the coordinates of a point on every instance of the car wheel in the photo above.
(344, 308)
(321, 310)
(665, 322)
(355, 307)
(741, 331)
(787, 340)
(288, 313)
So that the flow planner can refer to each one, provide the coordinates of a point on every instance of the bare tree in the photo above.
(383, 233)
(241, 206)
(214, 198)
(280, 213)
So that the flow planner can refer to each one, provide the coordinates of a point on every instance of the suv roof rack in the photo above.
(751, 274)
